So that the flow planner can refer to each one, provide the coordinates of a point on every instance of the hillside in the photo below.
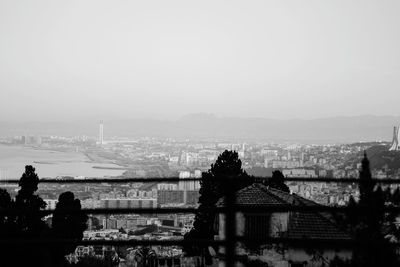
(380, 157)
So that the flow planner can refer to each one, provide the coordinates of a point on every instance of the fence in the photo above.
(229, 210)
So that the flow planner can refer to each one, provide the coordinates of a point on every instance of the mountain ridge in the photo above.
(202, 126)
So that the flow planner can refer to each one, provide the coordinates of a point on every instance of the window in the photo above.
(257, 226)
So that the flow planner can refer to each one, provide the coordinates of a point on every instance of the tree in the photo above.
(29, 182)
(366, 184)
(5, 203)
(367, 220)
(145, 257)
(371, 201)
(28, 223)
(277, 181)
(68, 223)
(30, 220)
(351, 215)
(7, 227)
(214, 184)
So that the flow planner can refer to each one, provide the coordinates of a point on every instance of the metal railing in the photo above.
(229, 210)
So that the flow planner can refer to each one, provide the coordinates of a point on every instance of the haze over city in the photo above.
(97, 60)
(199, 133)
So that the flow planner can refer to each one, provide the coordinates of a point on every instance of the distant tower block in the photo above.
(101, 133)
(396, 137)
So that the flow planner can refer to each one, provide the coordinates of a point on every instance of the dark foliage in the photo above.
(29, 224)
(30, 221)
(225, 174)
(214, 184)
(7, 227)
(90, 261)
(369, 224)
(145, 257)
(277, 181)
(67, 226)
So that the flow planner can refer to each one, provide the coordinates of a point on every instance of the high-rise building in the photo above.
(101, 133)
(396, 137)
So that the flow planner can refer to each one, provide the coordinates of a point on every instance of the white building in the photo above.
(51, 203)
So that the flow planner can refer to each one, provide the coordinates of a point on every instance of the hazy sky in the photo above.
(164, 59)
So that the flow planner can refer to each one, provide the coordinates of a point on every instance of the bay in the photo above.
(50, 164)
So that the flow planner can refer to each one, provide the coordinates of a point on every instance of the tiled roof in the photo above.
(255, 195)
(313, 225)
(301, 224)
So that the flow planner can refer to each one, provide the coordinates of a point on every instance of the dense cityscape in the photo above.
(199, 133)
(164, 158)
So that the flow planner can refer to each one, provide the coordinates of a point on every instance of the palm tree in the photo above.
(145, 257)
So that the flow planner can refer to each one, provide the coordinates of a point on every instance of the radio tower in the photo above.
(101, 133)
(396, 137)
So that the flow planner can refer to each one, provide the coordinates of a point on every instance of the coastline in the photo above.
(53, 162)
(44, 162)
(110, 168)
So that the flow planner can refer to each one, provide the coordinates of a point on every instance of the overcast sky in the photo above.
(164, 59)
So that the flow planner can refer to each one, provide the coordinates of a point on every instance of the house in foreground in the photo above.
(298, 226)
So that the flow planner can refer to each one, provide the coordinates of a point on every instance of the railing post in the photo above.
(230, 223)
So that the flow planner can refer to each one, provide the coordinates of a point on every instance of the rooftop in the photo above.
(304, 224)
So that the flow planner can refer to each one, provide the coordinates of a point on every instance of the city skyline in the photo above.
(200, 133)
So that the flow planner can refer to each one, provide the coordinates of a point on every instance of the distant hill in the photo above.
(379, 157)
(204, 126)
